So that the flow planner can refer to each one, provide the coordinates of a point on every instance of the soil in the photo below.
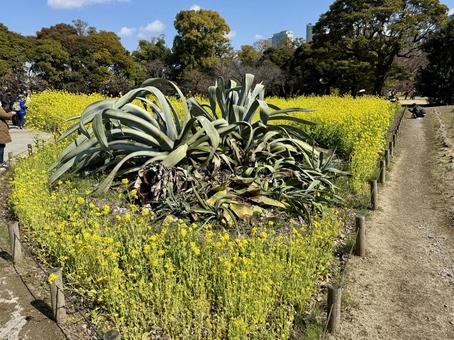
(404, 287)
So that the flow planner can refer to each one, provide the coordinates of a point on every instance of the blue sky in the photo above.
(249, 20)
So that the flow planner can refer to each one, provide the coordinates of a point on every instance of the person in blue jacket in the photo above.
(21, 113)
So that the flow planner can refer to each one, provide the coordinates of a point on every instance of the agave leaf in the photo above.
(257, 93)
(198, 110)
(264, 111)
(73, 152)
(90, 112)
(216, 197)
(211, 132)
(242, 210)
(130, 119)
(291, 119)
(248, 80)
(167, 112)
(212, 99)
(176, 156)
(140, 112)
(140, 136)
(160, 81)
(267, 201)
(251, 110)
(99, 131)
(62, 170)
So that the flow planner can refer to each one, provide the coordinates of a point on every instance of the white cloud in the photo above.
(69, 4)
(153, 27)
(258, 37)
(230, 35)
(126, 31)
(195, 8)
(451, 11)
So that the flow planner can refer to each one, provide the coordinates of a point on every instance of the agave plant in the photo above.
(225, 164)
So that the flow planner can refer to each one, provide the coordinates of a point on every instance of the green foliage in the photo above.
(359, 33)
(249, 55)
(153, 58)
(201, 39)
(80, 59)
(436, 80)
(153, 279)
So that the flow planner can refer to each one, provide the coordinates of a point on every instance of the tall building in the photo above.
(309, 28)
(282, 38)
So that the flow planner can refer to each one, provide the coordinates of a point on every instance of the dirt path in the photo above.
(404, 288)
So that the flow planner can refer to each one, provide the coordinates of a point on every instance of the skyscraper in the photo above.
(309, 28)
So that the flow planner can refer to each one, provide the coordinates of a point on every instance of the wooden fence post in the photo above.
(334, 307)
(360, 246)
(14, 237)
(373, 194)
(382, 177)
(57, 297)
(30, 149)
(391, 149)
(112, 335)
(10, 159)
(387, 158)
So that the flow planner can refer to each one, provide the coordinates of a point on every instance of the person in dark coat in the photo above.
(417, 111)
(4, 135)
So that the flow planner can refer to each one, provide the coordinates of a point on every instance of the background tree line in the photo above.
(358, 44)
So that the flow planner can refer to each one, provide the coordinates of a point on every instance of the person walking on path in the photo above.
(4, 135)
(21, 113)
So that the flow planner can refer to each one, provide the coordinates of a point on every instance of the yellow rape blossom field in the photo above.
(152, 279)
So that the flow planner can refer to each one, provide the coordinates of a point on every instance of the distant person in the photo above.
(21, 113)
(4, 135)
(417, 111)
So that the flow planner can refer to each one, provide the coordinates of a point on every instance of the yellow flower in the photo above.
(125, 181)
(184, 232)
(106, 209)
(133, 193)
(80, 200)
(51, 278)
(194, 248)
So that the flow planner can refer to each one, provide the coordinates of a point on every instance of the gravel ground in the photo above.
(404, 287)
